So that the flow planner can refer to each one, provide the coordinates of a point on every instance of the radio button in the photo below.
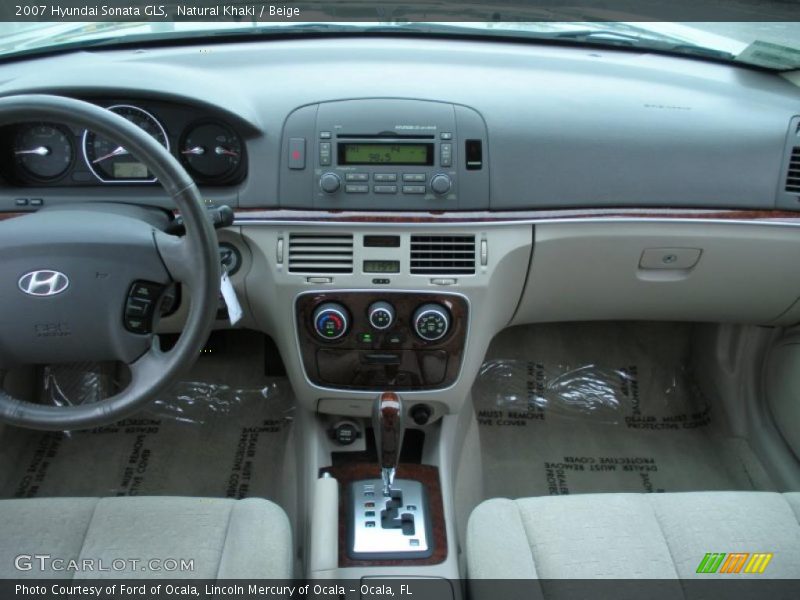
(324, 154)
(441, 184)
(356, 177)
(413, 189)
(330, 183)
(413, 176)
(356, 188)
(446, 155)
(385, 176)
(385, 189)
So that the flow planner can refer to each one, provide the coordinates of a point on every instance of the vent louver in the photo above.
(793, 175)
(320, 253)
(443, 254)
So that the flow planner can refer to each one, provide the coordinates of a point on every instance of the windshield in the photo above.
(771, 45)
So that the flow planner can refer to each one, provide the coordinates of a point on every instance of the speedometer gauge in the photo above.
(112, 163)
(211, 151)
(42, 151)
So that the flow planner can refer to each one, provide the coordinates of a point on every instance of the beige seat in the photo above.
(653, 536)
(243, 539)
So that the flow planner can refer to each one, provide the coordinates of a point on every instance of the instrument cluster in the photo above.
(59, 154)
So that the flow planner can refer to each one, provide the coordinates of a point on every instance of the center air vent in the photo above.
(443, 254)
(793, 175)
(320, 253)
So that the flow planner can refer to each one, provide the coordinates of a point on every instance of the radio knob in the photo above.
(440, 184)
(381, 315)
(431, 322)
(330, 183)
(331, 321)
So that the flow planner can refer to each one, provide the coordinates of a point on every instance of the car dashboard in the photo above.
(398, 201)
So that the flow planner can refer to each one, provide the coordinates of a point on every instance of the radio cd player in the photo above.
(385, 154)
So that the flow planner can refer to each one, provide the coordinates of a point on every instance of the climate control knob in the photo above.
(440, 184)
(431, 322)
(331, 321)
(381, 315)
(330, 183)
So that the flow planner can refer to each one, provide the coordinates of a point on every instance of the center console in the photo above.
(382, 339)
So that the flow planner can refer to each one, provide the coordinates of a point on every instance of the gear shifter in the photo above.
(388, 518)
(388, 424)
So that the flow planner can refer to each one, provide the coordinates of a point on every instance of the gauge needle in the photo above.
(221, 150)
(198, 150)
(118, 151)
(39, 151)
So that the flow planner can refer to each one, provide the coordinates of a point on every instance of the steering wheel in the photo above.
(70, 278)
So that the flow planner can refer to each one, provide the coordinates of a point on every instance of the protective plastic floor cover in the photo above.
(220, 433)
(602, 407)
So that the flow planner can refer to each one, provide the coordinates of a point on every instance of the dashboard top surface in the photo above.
(566, 127)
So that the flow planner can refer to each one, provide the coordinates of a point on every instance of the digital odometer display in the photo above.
(130, 170)
(385, 154)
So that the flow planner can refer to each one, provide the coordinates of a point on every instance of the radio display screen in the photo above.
(385, 154)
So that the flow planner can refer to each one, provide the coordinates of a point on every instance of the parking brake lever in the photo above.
(388, 425)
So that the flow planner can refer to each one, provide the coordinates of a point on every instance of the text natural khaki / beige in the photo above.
(224, 10)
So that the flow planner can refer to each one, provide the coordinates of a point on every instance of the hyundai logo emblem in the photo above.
(43, 283)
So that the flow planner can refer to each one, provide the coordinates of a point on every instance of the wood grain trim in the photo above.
(244, 215)
(427, 475)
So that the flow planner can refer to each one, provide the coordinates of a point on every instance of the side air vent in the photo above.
(793, 174)
(320, 253)
(443, 254)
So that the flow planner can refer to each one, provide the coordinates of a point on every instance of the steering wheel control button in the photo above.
(145, 290)
(140, 306)
(381, 315)
(331, 321)
(297, 153)
(431, 322)
(137, 307)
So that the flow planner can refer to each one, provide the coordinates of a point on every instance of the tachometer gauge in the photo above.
(211, 151)
(43, 151)
(112, 163)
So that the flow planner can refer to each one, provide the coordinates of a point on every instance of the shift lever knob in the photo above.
(387, 423)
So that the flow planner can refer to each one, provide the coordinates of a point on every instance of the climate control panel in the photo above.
(390, 340)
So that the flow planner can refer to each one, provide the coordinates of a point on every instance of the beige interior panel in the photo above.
(717, 272)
